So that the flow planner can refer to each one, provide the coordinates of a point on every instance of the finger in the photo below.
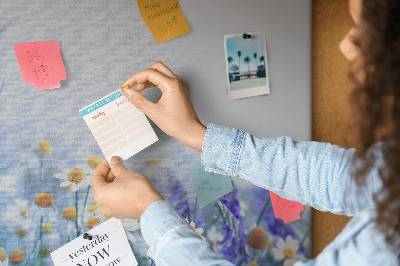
(110, 177)
(160, 67)
(100, 174)
(159, 80)
(117, 167)
(142, 86)
(140, 102)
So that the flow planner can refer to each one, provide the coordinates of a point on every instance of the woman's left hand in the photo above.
(128, 197)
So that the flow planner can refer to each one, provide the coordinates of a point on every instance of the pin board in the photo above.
(43, 137)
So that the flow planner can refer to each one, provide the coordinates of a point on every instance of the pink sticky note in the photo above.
(41, 63)
(287, 210)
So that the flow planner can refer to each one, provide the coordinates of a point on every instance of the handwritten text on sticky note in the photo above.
(209, 186)
(287, 210)
(41, 63)
(164, 18)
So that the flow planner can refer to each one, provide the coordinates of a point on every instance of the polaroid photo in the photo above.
(246, 65)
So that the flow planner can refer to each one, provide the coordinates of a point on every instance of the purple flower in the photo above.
(275, 226)
(178, 197)
(233, 245)
(231, 201)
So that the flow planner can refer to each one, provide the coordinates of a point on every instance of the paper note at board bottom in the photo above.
(209, 186)
(118, 126)
(109, 246)
(164, 18)
(287, 210)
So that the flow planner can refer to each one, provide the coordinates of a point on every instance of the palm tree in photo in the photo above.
(239, 55)
(234, 68)
(230, 60)
(247, 60)
(255, 60)
(262, 59)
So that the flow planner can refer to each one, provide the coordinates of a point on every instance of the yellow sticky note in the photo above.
(164, 18)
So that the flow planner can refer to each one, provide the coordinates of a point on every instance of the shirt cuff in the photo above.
(159, 218)
(221, 150)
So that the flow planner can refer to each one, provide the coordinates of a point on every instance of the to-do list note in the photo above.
(118, 126)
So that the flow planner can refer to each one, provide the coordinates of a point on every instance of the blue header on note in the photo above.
(100, 103)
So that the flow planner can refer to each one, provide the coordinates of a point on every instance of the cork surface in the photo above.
(331, 88)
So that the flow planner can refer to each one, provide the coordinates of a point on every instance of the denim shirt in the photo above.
(312, 173)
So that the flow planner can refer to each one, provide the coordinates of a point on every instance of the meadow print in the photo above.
(48, 201)
(246, 65)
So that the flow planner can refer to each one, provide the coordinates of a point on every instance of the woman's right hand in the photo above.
(174, 112)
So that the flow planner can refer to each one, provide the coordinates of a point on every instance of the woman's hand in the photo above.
(128, 197)
(174, 112)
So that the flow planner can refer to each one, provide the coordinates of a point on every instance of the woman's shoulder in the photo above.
(363, 241)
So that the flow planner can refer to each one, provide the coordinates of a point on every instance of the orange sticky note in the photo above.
(287, 210)
(164, 18)
(41, 64)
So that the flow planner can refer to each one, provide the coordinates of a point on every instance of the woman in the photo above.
(362, 182)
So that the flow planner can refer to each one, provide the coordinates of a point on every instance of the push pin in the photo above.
(125, 88)
(87, 236)
(246, 36)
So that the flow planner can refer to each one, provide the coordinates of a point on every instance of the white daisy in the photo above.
(131, 224)
(130, 236)
(3, 257)
(92, 160)
(76, 178)
(214, 235)
(98, 217)
(287, 250)
(199, 230)
(15, 211)
(42, 211)
(70, 221)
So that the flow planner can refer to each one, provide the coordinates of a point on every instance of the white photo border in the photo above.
(248, 92)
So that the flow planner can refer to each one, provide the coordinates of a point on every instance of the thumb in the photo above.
(138, 100)
(117, 167)
(100, 174)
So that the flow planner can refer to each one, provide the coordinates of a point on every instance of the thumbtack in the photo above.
(246, 36)
(87, 236)
(125, 88)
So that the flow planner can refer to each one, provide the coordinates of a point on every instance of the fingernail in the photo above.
(115, 160)
(127, 93)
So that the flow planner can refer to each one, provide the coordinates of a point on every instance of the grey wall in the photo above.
(102, 44)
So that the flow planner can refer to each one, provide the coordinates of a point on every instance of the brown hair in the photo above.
(375, 102)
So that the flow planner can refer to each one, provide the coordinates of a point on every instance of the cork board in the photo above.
(331, 88)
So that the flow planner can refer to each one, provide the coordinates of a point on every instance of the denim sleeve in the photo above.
(173, 241)
(312, 173)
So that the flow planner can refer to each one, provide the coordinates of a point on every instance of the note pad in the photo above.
(118, 126)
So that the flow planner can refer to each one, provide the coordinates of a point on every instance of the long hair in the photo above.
(375, 103)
